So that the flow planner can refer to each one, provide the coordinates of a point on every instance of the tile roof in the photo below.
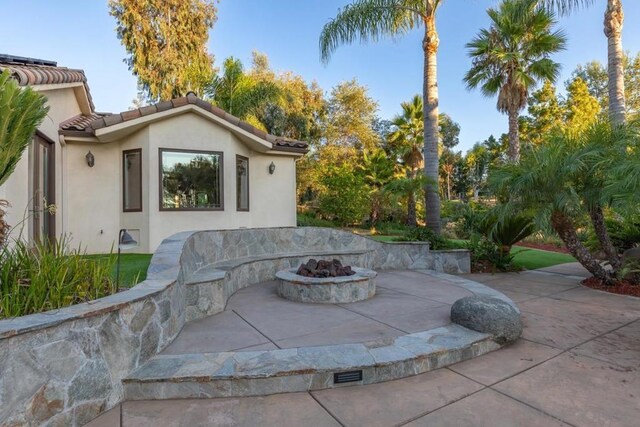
(87, 125)
(30, 72)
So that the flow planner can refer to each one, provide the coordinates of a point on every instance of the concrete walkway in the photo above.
(577, 364)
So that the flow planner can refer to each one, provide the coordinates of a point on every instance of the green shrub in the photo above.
(486, 255)
(506, 232)
(310, 220)
(425, 234)
(467, 217)
(344, 196)
(49, 276)
(624, 233)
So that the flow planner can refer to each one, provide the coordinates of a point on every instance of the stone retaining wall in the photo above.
(65, 367)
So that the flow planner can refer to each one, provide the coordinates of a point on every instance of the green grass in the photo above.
(383, 238)
(536, 258)
(133, 267)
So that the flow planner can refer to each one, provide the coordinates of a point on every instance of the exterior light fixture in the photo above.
(125, 241)
(272, 168)
(90, 158)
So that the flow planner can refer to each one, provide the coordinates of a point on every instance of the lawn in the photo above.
(133, 267)
(531, 259)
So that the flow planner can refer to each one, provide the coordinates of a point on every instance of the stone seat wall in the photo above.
(66, 366)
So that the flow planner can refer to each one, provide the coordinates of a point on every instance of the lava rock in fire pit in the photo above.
(324, 268)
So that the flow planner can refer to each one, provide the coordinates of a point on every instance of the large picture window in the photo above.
(191, 180)
(242, 183)
(132, 180)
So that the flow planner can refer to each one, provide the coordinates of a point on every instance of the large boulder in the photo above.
(488, 315)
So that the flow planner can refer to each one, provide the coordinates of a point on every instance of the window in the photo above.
(242, 183)
(132, 180)
(191, 180)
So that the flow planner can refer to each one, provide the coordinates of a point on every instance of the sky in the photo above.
(81, 34)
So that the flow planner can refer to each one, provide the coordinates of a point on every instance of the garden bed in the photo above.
(622, 288)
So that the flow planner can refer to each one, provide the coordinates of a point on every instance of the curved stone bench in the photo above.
(256, 373)
(66, 366)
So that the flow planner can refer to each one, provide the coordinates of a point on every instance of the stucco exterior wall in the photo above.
(271, 197)
(95, 213)
(92, 197)
(18, 188)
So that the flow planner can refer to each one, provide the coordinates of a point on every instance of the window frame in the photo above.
(238, 208)
(124, 188)
(160, 188)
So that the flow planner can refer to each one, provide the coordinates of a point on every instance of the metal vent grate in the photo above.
(347, 377)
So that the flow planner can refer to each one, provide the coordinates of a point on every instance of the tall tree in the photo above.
(21, 112)
(595, 76)
(369, 20)
(545, 115)
(350, 116)
(449, 131)
(300, 109)
(582, 108)
(512, 55)
(166, 42)
(406, 141)
(449, 137)
(613, 21)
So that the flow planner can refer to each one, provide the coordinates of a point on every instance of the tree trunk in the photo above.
(597, 218)
(412, 220)
(567, 232)
(430, 117)
(613, 20)
(374, 215)
(448, 186)
(514, 138)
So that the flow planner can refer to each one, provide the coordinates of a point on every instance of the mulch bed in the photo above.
(622, 288)
(544, 246)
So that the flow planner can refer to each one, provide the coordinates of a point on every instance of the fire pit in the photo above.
(326, 282)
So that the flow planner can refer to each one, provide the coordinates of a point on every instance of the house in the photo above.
(174, 166)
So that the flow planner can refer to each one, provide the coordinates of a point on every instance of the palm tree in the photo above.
(613, 21)
(406, 141)
(21, 112)
(377, 169)
(571, 178)
(511, 56)
(369, 20)
(240, 94)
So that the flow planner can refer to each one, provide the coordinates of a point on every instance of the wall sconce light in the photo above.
(272, 168)
(91, 160)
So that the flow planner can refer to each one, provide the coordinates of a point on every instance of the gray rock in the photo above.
(142, 317)
(61, 359)
(91, 382)
(488, 315)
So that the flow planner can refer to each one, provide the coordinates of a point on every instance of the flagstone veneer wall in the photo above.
(65, 367)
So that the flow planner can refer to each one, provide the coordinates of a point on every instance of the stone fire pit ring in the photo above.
(327, 290)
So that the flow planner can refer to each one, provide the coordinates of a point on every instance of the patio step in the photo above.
(259, 373)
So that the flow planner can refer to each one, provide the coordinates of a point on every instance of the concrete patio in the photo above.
(578, 363)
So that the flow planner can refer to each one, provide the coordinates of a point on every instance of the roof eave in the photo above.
(120, 130)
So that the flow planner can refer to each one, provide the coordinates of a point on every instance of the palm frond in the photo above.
(565, 7)
(21, 111)
(369, 20)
